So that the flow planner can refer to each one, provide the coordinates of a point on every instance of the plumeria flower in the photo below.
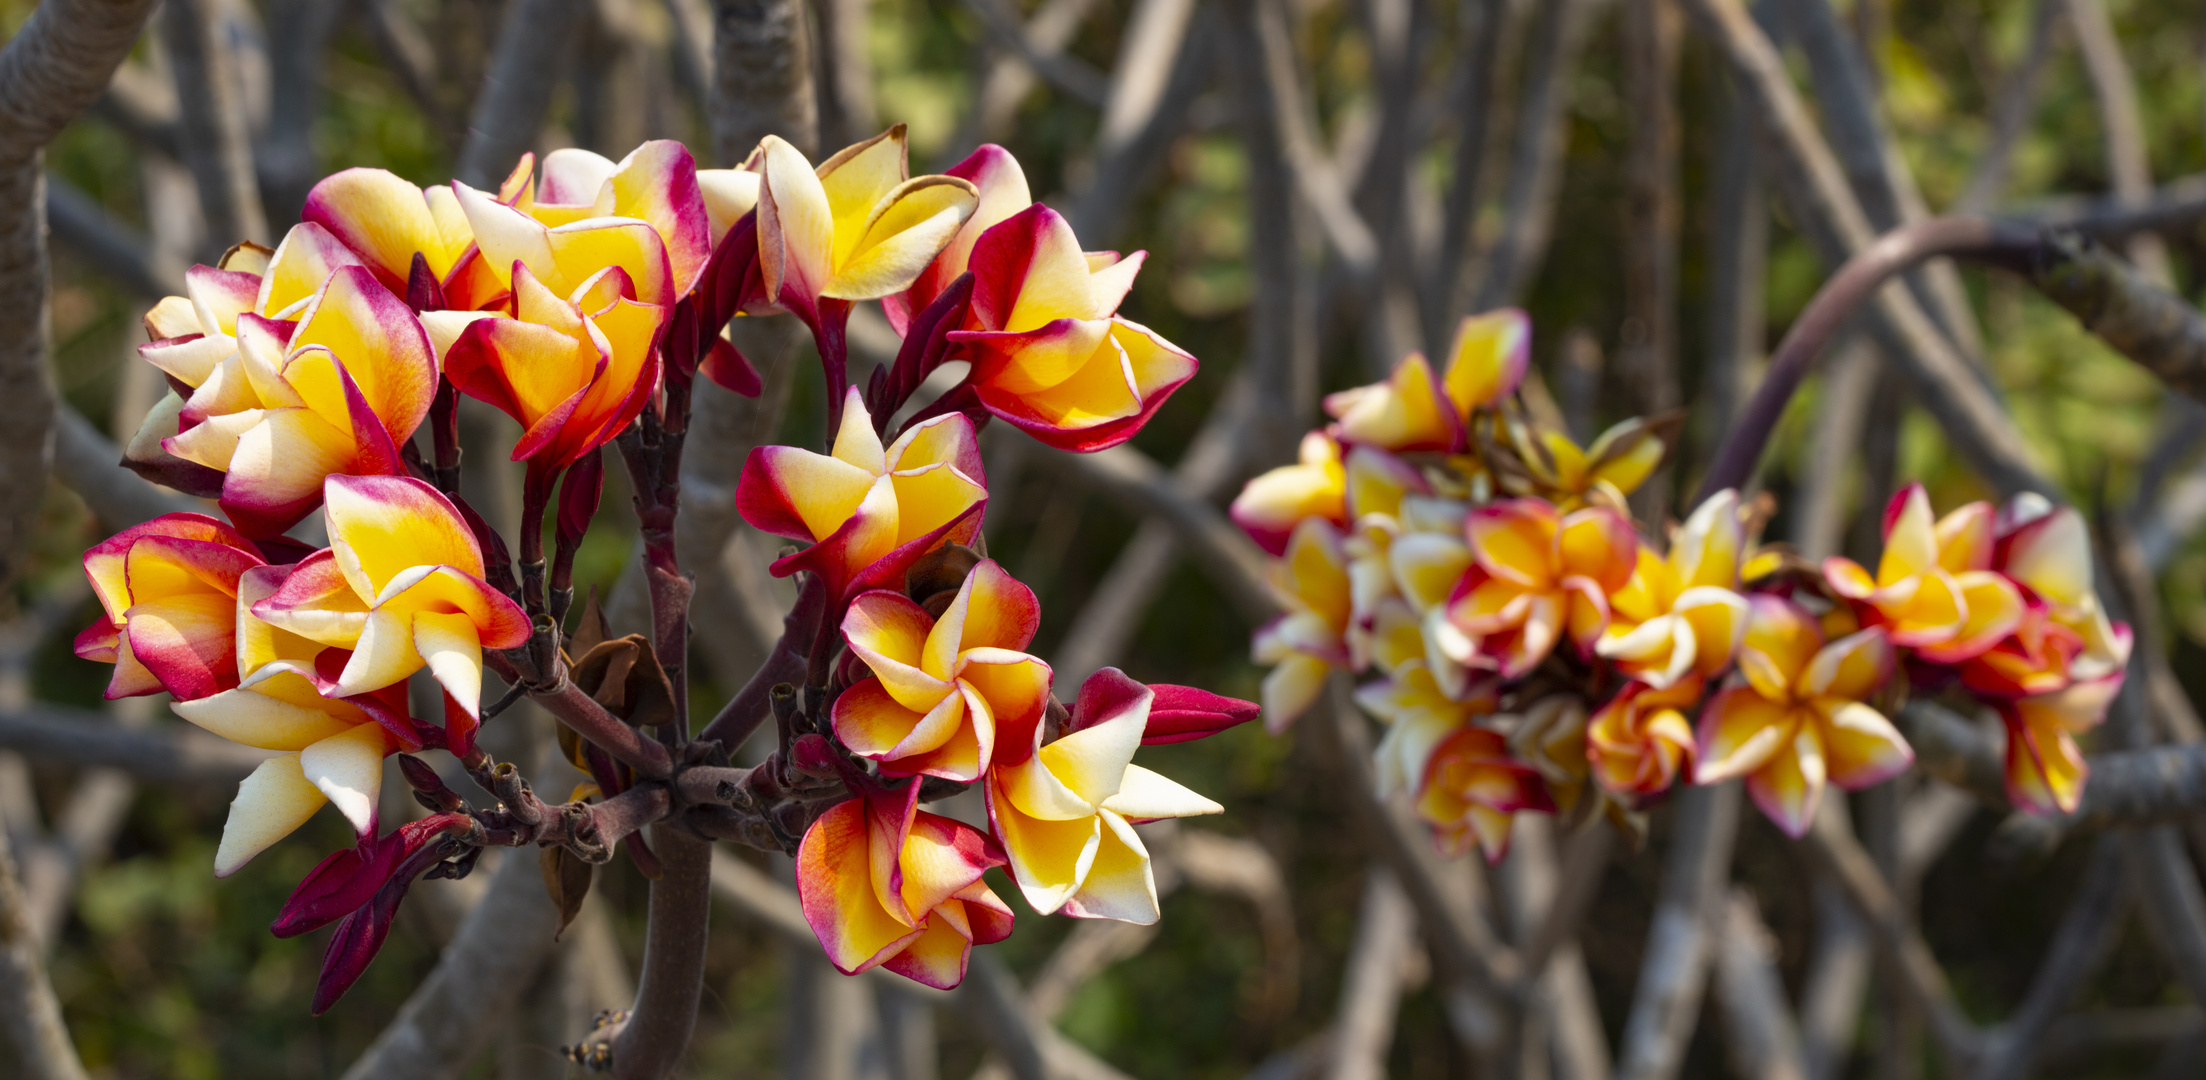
(1050, 354)
(1934, 590)
(1064, 810)
(1640, 741)
(886, 884)
(1473, 791)
(1419, 716)
(1679, 616)
(1311, 639)
(1488, 359)
(331, 749)
(1417, 408)
(336, 392)
(401, 585)
(1555, 467)
(574, 371)
(386, 223)
(2045, 768)
(169, 591)
(1002, 191)
(1409, 411)
(1799, 720)
(565, 257)
(1536, 576)
(657, 183)
(859, 227)
(868, 511)
(944, 689)
(1316, 486)
(2047, 550)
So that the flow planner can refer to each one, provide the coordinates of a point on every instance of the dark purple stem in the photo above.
(1834, 305)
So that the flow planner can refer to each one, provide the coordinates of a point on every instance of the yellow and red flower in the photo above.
(401, 586)
(886, 884)
(1934, 590)
(657, 183)
(1064, 811)
(574, 371)
(1473, 791)
(868, 511)
(332, 749)
(1050, 354)
(335, 389)
(1000, 186)
(2045, 768)
(1311, 638)
(859, 227)
(1536, 576)
(1799, 720)
(1639, 741)
(1316, 486)
(1679, 616)
(1417, 408)
(944, 689)
(1420, 715)
(1557, 468)
(386, 223)
(169, 589)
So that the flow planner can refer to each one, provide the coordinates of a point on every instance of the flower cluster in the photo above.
(582, 298)
(1529, 647)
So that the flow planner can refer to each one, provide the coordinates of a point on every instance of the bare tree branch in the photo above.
(2121, 126)
(762, 77)
(300, 31)
(2011, 112)
(509, 111)
(1764, 1040)
(1150, 105)
(91, 466)
(1674, 970)
(1541, 135)
(1282, 354)
(212, 123)
(29, 1013)
(2079, 946)
(846, 71)
(50, 71)
(1835, 850)
(1371, 989)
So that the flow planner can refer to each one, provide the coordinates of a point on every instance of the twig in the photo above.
(2086, 934)
(1842, 414)
(1147, 54)
(1034, 50)
(2122, 129)
(2173, 905)
(1816, 186)
(1838, 854)
(211, 123)
(1765, 1042)
(2079, 1038)
(1646, 358)
(1545, 913)
(1540, 136)
(1739, 257)
(300, 31)
(1151, 117)
(1846, 99)
(516, 92)
(1282, 354)
(1837, 978)
(2011, 111)
(1371, 988)
(1674, 970)
(30, 1014)
(1446, 298)
(1135, 482)
(1464, 947)
(168, 755)
(1108, 620)
(90, 465)
(110, 246)
(1287, 112)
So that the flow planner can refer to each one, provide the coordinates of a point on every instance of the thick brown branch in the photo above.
(29, 1014)
(530, 55)
(161, 755)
